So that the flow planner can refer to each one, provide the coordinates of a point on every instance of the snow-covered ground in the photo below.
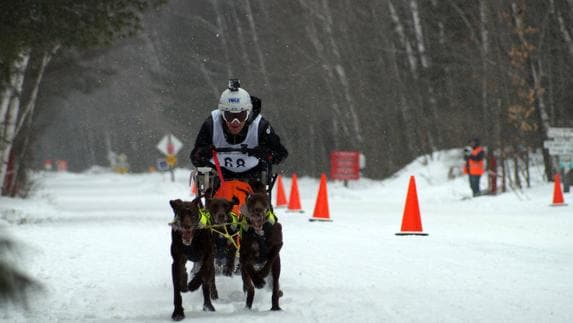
(99, 243)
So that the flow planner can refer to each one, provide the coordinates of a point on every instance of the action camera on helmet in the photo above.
(234, 84)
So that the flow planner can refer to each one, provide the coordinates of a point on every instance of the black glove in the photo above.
(203, 155)
(467, 151)
(262, 154)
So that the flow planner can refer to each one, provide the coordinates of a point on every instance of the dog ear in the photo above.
(175, 204)
(258, 187)
(258, 197)
(229, 205)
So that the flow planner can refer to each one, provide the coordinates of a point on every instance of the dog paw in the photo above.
(177, 315)
(276, 308)
(194, 284)
(228, 272)
(208, 307)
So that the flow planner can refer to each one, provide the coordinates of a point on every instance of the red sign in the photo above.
(48, 164)
(62, 165)
(345, 165)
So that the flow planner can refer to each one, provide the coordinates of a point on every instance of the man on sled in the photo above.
(235, 149)
(239, 144)
(233, 154)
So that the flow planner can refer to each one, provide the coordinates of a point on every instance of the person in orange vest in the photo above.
(475, 167)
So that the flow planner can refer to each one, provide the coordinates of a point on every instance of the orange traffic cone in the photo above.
(321, 212)
(294, 199)
(411, 222)
(557, 193)
(281, 196)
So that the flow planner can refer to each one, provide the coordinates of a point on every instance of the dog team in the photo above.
(213, 235)
(240, 144)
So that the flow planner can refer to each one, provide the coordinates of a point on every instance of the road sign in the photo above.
(345, 165)
(561, 151)
(169, 145)
(171, 160)
(558, 143)
(162, 165)
(553, 132)
(561, 145)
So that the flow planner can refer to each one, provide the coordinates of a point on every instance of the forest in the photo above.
(392, 79)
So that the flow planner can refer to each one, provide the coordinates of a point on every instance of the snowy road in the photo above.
(100, 245)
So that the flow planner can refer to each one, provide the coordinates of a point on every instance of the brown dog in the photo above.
(190, 242)
(261, 243)
(225, 230)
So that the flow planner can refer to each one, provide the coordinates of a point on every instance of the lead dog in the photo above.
(189, 241)
(225, 229)
(261, 243)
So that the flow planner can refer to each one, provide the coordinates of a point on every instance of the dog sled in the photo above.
(209, 181)
(210, 184)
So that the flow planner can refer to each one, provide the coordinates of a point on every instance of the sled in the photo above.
(208, 181)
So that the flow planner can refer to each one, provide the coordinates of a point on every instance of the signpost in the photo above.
(561, 146)
(345, 165)
(553, 132)
(170, 146)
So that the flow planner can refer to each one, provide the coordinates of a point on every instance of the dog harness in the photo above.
(229, 235)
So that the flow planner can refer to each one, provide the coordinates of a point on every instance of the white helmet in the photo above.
(235, 101)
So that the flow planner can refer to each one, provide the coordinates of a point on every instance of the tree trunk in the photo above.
(404, 39)
(9, 131)
(486, 122)
(536, 73)
(429, 101)
(7, 93)
(516, 170)
(562, 27)
(31, 104)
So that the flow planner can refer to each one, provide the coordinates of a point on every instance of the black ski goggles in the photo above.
(231, 116)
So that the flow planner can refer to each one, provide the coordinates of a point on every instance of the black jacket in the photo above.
(270, 146)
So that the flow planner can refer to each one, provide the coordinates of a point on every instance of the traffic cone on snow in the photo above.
(411, 222)
(281, 196)
(294, 199)
(557, 193)
(321, 212)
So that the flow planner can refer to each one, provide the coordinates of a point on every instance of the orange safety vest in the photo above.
(476, 167)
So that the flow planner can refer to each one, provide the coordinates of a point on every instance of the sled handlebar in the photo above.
(270, 177)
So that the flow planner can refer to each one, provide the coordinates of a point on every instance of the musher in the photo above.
(245, 139)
